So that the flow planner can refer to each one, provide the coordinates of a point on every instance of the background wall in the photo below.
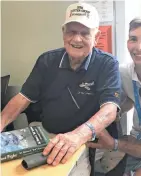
(31, 27)
(28, 29)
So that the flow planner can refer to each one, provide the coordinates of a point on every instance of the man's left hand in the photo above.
(62, 147)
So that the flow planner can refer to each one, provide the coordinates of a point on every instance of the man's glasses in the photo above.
(84, 35)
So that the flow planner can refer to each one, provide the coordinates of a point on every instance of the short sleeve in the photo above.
(109, 84)
(32, 86)
(126, 100)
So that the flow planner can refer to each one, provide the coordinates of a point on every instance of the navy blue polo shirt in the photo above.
(70, 97)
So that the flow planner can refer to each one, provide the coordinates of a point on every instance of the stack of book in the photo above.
(19, 143)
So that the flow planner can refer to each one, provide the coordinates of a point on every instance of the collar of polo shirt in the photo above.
(64, 63)
(134, 74)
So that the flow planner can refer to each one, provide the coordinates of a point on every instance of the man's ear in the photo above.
(97, 37)
(127, 43)
(62, 28)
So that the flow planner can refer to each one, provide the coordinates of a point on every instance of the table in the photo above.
(14, 168)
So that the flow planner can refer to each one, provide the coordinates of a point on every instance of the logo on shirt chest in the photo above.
(87, 85)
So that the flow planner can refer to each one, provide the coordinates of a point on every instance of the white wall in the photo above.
(120, 30)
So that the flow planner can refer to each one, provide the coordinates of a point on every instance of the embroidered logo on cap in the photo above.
(79, 12)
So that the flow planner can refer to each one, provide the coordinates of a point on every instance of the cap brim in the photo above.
(81, 22)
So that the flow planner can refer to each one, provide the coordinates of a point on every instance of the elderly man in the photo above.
(131, 80)
(78, 87)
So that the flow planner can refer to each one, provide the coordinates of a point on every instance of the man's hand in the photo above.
(62, 147)
(105, 141)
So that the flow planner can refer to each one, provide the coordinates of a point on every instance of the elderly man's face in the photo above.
(78, 40)
(134, 45)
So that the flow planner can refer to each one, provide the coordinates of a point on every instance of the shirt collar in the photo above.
(64, 63)
(134, 74)
(87, 62)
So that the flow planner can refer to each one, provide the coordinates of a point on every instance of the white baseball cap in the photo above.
(83, 13)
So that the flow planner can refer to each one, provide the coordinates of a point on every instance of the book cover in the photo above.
(18, 143)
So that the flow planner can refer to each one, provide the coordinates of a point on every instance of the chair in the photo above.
(4, 85)
(119, 169)
(115, 131)
(33, 112)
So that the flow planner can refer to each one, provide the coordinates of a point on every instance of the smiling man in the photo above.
(131, 81)
(78, 87)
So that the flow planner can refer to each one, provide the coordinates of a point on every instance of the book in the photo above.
(22, 142)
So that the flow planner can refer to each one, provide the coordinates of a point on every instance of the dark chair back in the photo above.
(4, 85)
(33, 112)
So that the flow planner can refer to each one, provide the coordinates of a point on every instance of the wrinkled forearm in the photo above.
(131, 148)
(103, 118)
(14, 107)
